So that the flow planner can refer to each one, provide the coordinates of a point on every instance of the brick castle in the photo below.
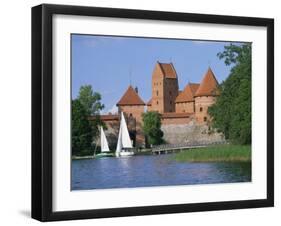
(175, 106)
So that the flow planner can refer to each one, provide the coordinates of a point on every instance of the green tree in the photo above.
(81, 129)
(232, 111)
(152, 127)
(91, 102)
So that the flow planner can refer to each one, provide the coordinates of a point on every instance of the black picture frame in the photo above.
(42, 111)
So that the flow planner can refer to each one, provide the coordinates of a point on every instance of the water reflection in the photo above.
(142, 171)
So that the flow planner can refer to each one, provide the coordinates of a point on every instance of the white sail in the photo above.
(124, 140)
(104, 144)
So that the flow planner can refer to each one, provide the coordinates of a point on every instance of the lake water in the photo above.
(152, 170)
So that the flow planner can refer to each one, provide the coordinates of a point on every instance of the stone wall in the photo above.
(111, 133)
(190, 132)
(176, 130)
(134, 128)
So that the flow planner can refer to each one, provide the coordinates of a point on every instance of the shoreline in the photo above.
(140, 152)
(218, 153)
(82, 157)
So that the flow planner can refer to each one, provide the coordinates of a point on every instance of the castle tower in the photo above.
(205, 96)
(185, 102)
(164, 88)
(133, 107)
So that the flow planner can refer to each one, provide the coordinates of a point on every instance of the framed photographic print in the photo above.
(145, 112)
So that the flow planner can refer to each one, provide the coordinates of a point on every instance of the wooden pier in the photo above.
(173, 148)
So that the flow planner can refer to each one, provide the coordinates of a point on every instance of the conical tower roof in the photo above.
(130, 97)
(208, 86)
(188, 93)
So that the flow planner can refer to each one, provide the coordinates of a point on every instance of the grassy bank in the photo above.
(221, 153)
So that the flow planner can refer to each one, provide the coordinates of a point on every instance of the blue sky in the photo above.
(111, 63)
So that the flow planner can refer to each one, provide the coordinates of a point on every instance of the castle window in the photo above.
(157, 102)
(201, 109)
(170, 93)
(156, 92)
(131, 115)
(205, 119)
(171, 102)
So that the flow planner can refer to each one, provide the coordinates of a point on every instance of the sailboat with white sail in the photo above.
(105, 152)
(124, 143)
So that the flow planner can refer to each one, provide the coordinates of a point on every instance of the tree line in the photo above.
(84, 131)
(231, 114)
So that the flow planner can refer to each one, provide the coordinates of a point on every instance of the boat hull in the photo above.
(104, 155)
(125, 153)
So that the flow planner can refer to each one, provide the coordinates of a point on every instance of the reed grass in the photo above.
(220, 153)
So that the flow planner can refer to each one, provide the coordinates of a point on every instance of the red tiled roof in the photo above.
(168, 70)
(175, 115)
(194, 87)
(130, 97)
(187, 94)
(208, 86)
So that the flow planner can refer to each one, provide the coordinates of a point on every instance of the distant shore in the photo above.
(139, 152)
(219, 153)
(82, 157)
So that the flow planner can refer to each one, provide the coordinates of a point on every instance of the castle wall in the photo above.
(177, 127)
(111, 132)
(188, 107)
(201, 108)
(176, 131)
(190, 132)
(175, 120)
(134, 128)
